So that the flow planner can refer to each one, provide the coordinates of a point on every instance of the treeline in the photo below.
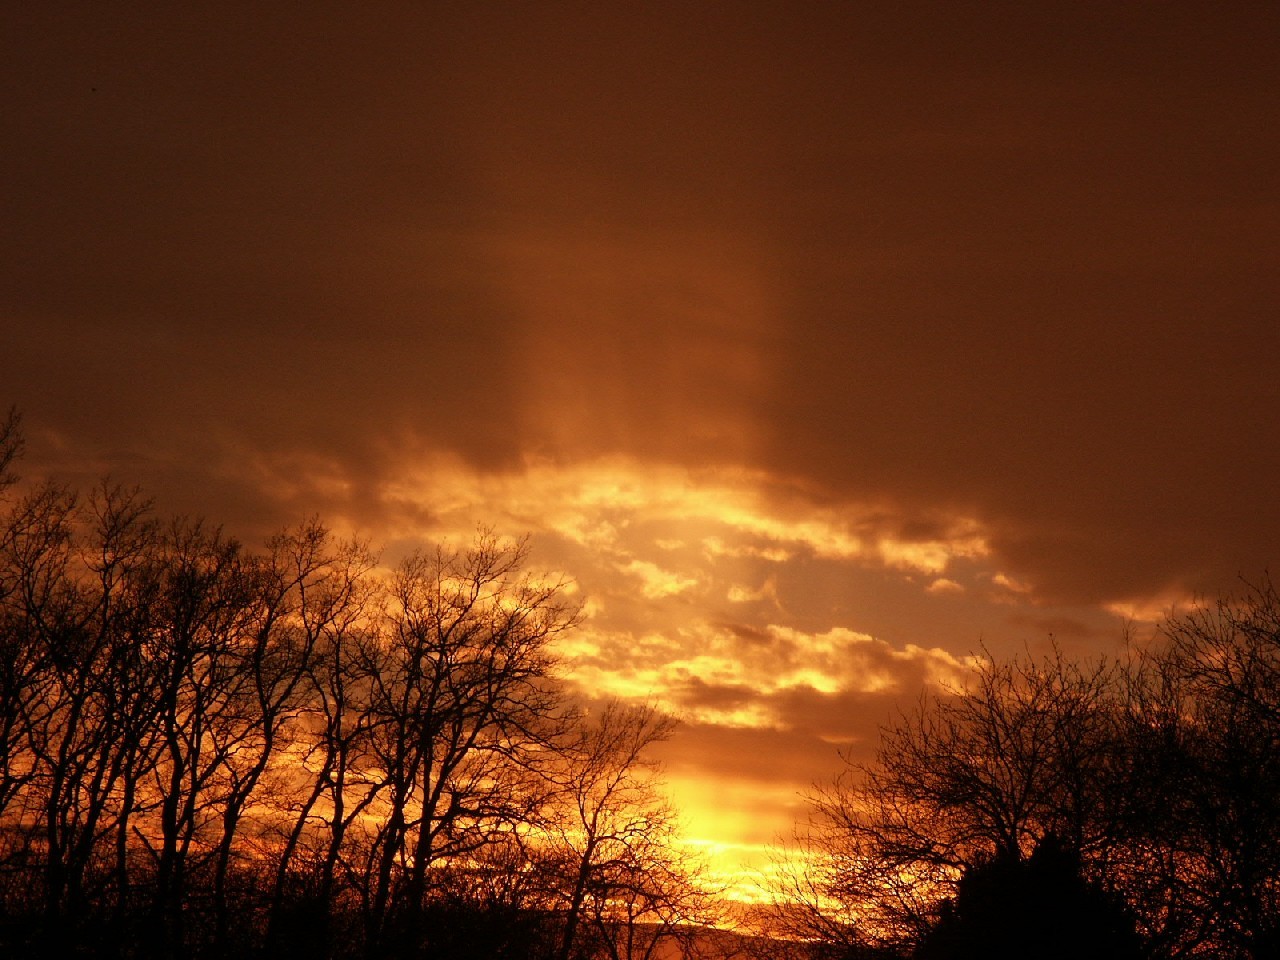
(1114, 809)
(213, 751)
(208, 751)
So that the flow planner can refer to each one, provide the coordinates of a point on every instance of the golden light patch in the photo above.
(744, 513)
(941, 668)
(656, 582)
(1010, 584)
(716, 547)
(751, 716)
(1153, 610)
(739, 827)
(739, 593)
(629, 683)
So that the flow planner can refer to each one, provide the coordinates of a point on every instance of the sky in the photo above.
(823, 345)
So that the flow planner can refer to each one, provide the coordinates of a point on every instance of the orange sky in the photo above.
(819, 342)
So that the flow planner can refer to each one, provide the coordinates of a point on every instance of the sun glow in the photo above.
(686, 603)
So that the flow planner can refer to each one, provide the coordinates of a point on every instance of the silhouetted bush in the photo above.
(1011, 908)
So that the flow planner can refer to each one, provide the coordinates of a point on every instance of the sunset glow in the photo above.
(815, 349)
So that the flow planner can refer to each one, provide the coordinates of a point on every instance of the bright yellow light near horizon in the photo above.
(739, 830)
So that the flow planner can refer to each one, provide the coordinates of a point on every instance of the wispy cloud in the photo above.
(619, 505)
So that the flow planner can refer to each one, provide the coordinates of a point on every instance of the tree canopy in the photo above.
(1144, 793)
(212, 750)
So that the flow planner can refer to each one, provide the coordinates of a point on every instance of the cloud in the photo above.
(656, 582)
(768, 590)
(713, 266)
(739, 676)
(606, 503)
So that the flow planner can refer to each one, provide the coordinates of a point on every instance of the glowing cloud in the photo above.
(733, 512)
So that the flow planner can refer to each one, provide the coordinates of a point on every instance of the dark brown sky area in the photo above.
(1012, 261)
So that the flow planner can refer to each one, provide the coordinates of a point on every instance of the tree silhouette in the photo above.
(211, 750)
(967, 777)
(1011, 907)
(463, 713)
(1156, 778)
(625, 885)
(1213, 732)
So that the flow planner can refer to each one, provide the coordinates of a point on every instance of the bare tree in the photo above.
(464, 710)
(206, 616)
(33, 528)
(1030, 749)
(626, 883)
(335, 603)
(1159, 778)
(1213, 732)
(75, 713)
(292, 601)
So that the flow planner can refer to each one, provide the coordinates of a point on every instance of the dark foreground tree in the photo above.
(1212, 731)
(1158, 777)
(1011, 908)
(967, 778)
(464, 712)
(213, 751)
(619, 877)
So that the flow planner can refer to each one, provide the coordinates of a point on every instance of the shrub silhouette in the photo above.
(1039, 906)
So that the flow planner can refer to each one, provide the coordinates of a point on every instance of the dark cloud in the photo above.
(1057, 627)
(1018, 265)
